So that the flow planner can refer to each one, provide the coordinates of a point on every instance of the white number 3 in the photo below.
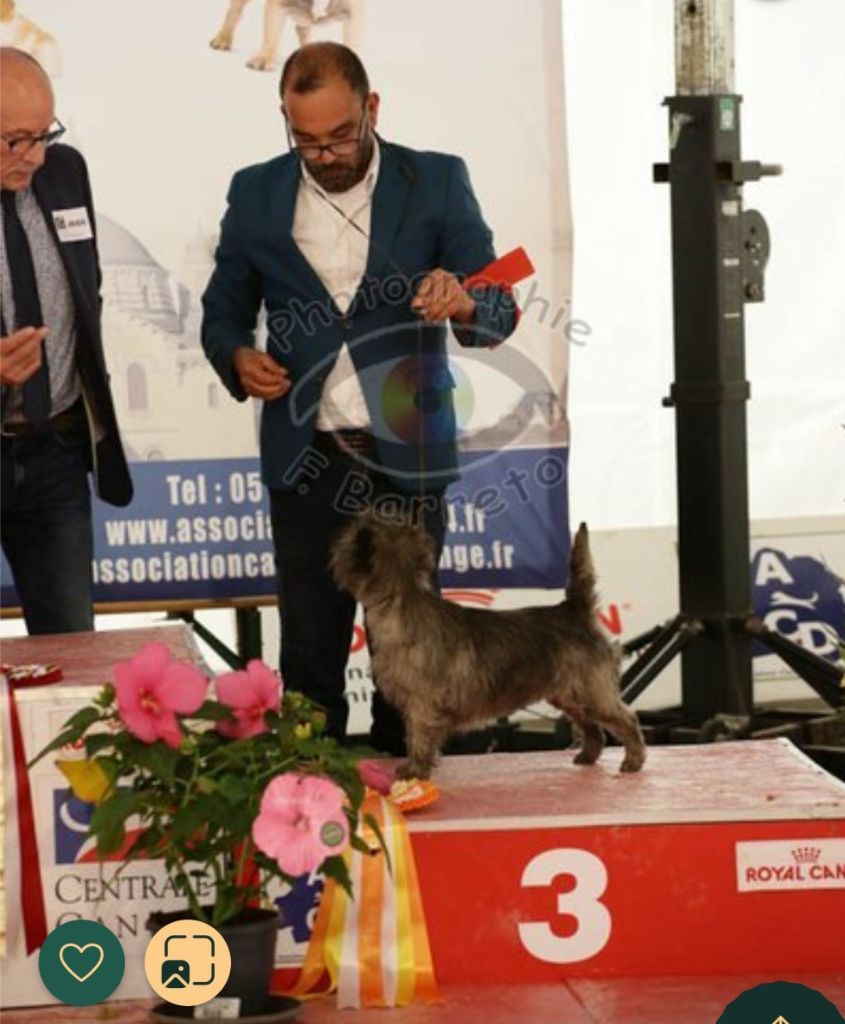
(592, 917)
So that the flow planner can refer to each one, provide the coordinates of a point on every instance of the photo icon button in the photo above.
(187, 962)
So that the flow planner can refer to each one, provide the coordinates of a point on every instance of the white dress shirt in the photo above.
(338, 253)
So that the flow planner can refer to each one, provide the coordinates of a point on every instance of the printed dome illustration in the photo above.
(135, 283)
(119, 246)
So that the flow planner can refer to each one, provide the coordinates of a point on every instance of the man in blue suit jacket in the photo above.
(356, 249)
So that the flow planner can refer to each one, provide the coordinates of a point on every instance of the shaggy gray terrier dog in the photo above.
(446, 667)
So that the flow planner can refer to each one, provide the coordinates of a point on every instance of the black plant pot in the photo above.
(251, 938)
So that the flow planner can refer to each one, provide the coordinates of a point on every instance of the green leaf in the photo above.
(73, 729)
(68, 736)
(105, 697)
(212, 711)
(357, 843)
(83, 718)
(158, 759)
(233, 788)
(228, 903)
(187, 822)
(110, 839)
(109, 818)
(335, 867)
(99, 741)
(110, 767)
(114, 811)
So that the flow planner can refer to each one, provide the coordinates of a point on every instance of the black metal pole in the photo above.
(709, 395)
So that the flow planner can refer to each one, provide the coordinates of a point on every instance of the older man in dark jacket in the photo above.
(58, 420)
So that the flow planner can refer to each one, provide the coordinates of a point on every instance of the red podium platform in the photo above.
(626, 1001)
(560, 893)
(714, 860)
(86, 658)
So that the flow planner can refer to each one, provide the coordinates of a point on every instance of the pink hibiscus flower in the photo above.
(151, 690)
(301, 822)
(248, 694)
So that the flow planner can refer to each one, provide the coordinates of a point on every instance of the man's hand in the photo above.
(20, 354)
(260, 375)
(441, 297)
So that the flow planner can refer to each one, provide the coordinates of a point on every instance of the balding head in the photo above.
(311, 67)
(21, 71)
(27, 111)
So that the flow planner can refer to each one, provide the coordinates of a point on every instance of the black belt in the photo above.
(62, 422)
(351, 442)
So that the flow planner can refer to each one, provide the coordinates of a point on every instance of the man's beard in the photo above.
(340, 178)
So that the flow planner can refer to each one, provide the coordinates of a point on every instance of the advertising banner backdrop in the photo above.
(164, 120)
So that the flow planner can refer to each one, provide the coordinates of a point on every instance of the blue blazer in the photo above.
(424, 216)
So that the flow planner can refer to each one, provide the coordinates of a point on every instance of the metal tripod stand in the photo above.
(719, 256)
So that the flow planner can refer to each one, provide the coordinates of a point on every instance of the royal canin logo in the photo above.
(806, 855)
(783, 864)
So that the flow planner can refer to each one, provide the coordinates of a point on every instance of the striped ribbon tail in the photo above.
(372, 948)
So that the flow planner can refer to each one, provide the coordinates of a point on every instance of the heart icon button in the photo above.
(81, 963)
(76, 954)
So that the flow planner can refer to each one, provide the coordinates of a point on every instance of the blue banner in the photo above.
(200, 529)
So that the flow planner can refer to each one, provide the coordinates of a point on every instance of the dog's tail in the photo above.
(581, 589)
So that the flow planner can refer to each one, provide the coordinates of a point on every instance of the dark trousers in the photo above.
(317, 618)
(46, 528)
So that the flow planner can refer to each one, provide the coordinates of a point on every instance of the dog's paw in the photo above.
(582, 757)
(412, 770)
(260, 63)
(632, 764)
(221, 41)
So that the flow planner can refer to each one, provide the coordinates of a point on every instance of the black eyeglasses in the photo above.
(343, 147)
(21, 145)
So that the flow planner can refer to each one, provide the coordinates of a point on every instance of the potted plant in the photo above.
(243, 786)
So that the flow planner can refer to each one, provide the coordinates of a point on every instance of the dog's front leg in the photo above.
(274, 20)
(223, 39)
(424, 739)
(353, 27)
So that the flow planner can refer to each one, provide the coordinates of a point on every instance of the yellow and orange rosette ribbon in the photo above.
(372, 948)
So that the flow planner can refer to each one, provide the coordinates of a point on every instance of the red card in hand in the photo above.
(504, 272)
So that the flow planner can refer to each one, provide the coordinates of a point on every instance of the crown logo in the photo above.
(806, 855)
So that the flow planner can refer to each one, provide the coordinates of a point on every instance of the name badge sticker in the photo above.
(72, 225)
